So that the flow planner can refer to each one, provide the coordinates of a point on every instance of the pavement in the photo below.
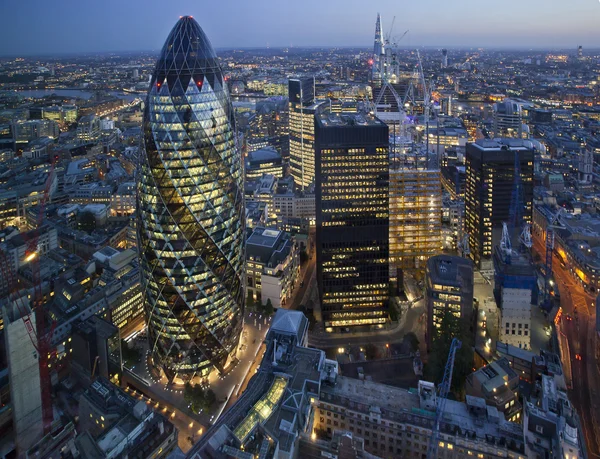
(579, 333)
(170, 397)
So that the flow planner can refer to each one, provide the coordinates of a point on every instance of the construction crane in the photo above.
(40, 337)
(442, 396)
(389, 34)
(515, 214)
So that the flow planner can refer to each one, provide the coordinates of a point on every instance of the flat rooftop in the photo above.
(329, 119)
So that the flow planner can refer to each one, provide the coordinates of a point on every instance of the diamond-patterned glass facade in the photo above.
(190, 210)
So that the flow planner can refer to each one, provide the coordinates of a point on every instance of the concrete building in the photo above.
(123, 201)
(508, 119)
(498, 384)
(256, 214)
(576, 241)
(449, 288)
(515, 317)
(15, 246)
(272, 265)
(114, 424)
(96, 350)
(295, 204)
(24, 377)
(92, 193)
(297, 404)
(263, 190)
(551, 425)
(88, 129)
(265, 160)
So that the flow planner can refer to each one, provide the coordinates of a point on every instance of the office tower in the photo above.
(352, 218)
(580, 51)
(444, 58)
(302, 130)
(449, 288)
(489, 184)
(190, 210)
(415, 231)
(507, 119)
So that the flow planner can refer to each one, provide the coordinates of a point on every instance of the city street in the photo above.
(413, 320)
(305, 276)
(579, 331)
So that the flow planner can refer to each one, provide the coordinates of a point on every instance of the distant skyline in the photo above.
(39, 27)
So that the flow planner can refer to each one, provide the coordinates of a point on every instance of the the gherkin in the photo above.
(190, 210)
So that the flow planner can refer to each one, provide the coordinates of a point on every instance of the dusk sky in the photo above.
(66, 26)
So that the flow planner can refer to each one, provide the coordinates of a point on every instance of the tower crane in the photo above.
(442, 396)
(40, 337)
(515, 214)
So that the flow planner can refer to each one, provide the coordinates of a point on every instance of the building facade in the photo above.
(302, 130)
(489, 184)
(272, 265)
(352, 224)
(190, 210)
(449, 288)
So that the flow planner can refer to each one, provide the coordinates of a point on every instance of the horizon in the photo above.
(77, 28)
(312, 47)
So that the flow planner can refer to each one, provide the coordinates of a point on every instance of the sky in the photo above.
(41, 27)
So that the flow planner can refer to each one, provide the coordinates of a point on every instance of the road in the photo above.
(306, 272)
(413, 320)
(579, 332)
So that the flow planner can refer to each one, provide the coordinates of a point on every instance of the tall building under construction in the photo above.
(415, 208)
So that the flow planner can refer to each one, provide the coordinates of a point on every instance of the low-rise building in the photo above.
(498, 384)
(266, 160)
(114, 424)
(272, 265)
(297, 404)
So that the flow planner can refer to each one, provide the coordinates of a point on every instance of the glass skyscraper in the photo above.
(190, 210)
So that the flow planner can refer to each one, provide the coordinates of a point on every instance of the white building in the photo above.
(515, 317)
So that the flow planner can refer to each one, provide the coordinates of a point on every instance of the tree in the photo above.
(197, 398)
(130, 355)
(394, 316)
(303, 256)
(250, 300)
(268, 309)
(450, 327)
(412, 340)
(87, 222)
(372, 352)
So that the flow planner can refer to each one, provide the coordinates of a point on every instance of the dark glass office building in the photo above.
(490, 166)
(190, 211)
(352, 180)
